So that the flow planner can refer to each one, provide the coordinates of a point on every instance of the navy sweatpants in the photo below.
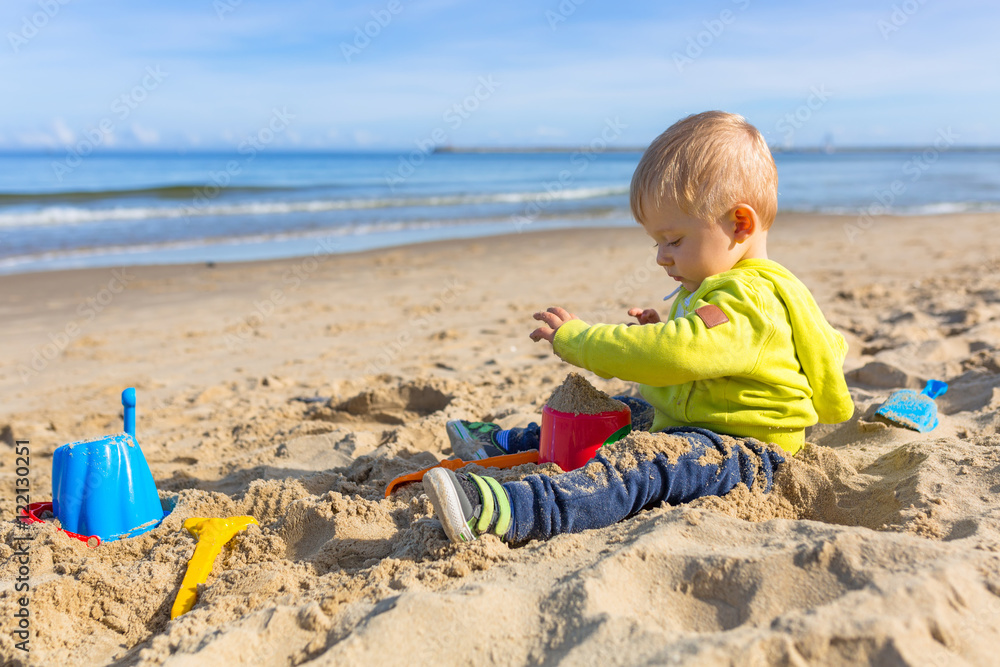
(605, 492)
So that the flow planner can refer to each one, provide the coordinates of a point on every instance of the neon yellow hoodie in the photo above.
(754, 357)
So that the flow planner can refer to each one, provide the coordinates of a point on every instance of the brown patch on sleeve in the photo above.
(711, 315)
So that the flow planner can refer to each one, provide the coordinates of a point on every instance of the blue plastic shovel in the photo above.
(911, 410)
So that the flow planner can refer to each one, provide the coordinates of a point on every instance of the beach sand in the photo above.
(879, 545)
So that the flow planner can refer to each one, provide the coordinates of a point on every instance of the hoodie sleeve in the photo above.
(723, 340)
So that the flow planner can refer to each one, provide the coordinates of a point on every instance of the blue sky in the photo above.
(189, 75)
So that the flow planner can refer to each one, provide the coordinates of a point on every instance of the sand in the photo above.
(576, 396)
(642, 446)
(294, 391)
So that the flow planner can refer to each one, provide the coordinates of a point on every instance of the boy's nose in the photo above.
(662, 259)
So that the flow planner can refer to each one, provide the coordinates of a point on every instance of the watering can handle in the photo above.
(128, 402)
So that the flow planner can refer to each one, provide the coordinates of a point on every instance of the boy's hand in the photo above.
(554, 318)
(648, 316)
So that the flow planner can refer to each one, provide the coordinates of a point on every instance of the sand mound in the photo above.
(578, 397)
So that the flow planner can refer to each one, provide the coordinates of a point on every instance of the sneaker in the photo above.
(472, 441)
(468, 505)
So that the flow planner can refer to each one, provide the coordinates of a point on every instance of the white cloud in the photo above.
(144, 136)
(64, 134)
(364, 138)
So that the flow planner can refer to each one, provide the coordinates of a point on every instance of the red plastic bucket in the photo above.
(570, 440)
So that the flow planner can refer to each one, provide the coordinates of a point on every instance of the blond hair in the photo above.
(704, 164)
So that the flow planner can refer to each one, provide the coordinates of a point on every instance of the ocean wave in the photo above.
(67, 215)
(363, 229)
(934, 208)
(163, 192)
(326, 240)
(944, 207)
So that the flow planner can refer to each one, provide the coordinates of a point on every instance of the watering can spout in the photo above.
(128, 402)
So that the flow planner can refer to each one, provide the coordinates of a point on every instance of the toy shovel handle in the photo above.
(935, 388)
(128, 402)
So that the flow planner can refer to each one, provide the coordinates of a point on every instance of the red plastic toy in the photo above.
(30, 514)
(570, 440)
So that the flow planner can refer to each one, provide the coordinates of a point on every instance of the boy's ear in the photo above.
(744, 220)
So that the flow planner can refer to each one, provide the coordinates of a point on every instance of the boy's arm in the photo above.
(716, 340)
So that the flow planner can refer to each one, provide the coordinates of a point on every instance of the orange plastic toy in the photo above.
(505, 461)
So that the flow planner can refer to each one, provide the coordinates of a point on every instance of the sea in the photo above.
(62, 210)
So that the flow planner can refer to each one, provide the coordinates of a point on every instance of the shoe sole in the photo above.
(457, 434)
(462, 441)
(448, 508)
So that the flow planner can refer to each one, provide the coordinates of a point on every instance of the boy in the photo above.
(745, 353)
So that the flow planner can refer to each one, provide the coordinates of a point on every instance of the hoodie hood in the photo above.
(820, 348)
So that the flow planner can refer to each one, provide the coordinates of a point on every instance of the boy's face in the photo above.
(691, 249)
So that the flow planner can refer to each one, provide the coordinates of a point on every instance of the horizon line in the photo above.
(181, 152)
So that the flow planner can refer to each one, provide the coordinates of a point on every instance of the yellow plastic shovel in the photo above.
(212, 535)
